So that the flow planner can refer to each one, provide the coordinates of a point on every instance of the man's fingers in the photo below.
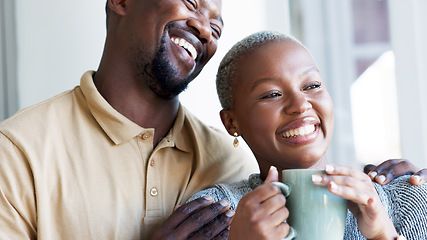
(419, 177)
(391, 169)
(198, 219)
(368, 168)
(168, 229)
(374, 170)
(183, 212)
(223, 235)
(216, 229)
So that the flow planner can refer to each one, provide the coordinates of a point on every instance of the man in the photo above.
(113, 157)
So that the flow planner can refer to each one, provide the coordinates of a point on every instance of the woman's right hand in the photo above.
(260, 214)
(364, 202)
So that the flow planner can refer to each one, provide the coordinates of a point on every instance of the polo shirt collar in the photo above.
(180, 134)
(119, 128)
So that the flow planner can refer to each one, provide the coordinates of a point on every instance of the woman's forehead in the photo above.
(270, 53)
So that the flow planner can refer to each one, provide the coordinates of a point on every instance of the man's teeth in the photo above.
(301, 131)
(187, 46)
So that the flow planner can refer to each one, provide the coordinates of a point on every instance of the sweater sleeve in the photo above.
(408, 207)
(232, 192)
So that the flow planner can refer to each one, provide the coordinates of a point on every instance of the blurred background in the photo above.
(372, 55)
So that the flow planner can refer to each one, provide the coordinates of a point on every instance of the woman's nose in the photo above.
(297, 103)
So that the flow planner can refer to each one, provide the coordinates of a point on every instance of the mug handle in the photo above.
(291, 235)
(286, 190)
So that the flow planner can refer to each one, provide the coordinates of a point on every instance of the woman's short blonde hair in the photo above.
(228, 66)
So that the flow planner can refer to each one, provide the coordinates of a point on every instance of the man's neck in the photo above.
(137, 102)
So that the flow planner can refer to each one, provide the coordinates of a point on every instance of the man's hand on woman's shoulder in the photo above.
(394, 168)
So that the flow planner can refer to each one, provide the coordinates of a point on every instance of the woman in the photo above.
(273, 95)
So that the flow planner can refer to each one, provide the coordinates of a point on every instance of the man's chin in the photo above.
(168, 93)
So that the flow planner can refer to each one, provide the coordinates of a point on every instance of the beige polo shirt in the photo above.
(72, 167)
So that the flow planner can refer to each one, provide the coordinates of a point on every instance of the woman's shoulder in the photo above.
(400, 192)
(401, 189)
(406, 205)
(231, 192)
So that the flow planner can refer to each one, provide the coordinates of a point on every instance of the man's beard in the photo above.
(161, 75)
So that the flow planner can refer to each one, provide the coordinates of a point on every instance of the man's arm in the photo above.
(17, 204)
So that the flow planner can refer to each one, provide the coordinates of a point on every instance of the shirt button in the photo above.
(145, 136)
(154, 192)
(152, 163)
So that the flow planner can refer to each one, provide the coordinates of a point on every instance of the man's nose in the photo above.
(201, 25)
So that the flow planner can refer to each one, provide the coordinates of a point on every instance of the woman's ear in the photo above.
(229, 121)
(118, 6)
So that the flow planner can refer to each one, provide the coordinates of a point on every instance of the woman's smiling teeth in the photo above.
(186, 45)
(301, 131)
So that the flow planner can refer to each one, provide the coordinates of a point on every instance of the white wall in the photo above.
(57, 42)
(409, 38)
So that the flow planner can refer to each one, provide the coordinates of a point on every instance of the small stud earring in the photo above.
(236, 141)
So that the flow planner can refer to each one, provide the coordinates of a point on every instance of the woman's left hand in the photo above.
(363, 200)
(393, 168)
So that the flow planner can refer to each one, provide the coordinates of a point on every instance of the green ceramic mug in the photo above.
(314, 212)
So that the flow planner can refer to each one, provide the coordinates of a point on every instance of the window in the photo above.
(350, 39)
(8, 94)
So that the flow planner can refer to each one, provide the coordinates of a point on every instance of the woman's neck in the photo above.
(264, 167)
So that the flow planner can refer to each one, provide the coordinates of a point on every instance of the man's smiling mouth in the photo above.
(301, 131)
(186, 45)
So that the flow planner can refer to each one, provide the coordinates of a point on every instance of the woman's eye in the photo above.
(271, 95)
(314, 85)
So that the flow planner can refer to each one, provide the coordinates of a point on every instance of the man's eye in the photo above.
(271, 95)
(192, 4)
(314, 85)
(216, 31)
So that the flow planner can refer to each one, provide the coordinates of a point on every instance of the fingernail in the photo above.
(223, 203)
(208, 198)
(272, 168)
(229, 213)
(416, 178)
(381, 178)
(316, 178)
(276, 188)
(373, 174)
(329, 168)
(334, 187)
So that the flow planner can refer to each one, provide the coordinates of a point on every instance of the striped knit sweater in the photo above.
(406, 204)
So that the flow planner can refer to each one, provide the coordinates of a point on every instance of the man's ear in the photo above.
(118, 6)
(229, 121)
